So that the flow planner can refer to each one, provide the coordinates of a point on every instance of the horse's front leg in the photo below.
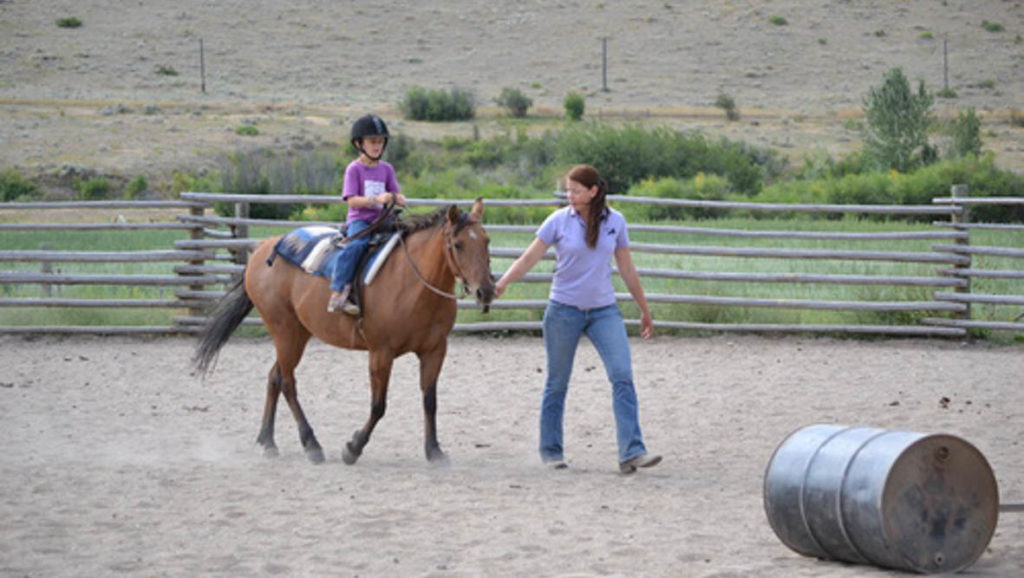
(430, 368)
(380, 375)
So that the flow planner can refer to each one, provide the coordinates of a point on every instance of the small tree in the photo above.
(515, 101)
(726, 103)
(574, 105)
(897, 123)
(966, 134)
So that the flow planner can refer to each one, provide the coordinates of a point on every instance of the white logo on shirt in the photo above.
(373, 188)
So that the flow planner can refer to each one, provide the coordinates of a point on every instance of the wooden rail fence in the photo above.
(213, 249)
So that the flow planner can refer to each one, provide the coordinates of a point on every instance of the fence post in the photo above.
(196, 234)
(962, 217)
(46, 267)
(240, 231)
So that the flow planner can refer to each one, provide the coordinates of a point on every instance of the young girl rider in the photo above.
(369, 185)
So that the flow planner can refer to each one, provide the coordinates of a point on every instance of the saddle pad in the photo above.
(312, 249)
(307, 247)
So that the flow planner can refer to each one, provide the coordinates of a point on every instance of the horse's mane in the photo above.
(430, 220)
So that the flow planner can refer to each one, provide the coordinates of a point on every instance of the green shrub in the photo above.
(700, 188)
(69, 22)
(991, 26)
(778, 20)
(263, 171)
(247, 130)
(916, 188)
(437, 105)
(166, 70)
(15, 187)
(632, 153)
(181, 182)
(966, 131)
(94, 189)
(574, 104)
(400, 153)
(136, 186)
(946, 93)
(897, 120)
(514, 101)
(248, 173)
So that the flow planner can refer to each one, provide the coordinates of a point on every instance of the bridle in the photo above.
(449, 256)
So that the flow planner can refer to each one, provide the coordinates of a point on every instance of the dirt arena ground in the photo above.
(117, 461)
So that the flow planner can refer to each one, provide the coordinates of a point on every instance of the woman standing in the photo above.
(586, 235)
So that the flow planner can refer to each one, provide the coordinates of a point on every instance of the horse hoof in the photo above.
(348, 456)
(270, 452)
(315, 455)
(438, 459)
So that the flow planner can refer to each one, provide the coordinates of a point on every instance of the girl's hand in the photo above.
(399, 199)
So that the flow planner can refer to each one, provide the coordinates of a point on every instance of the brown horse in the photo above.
(410, 308)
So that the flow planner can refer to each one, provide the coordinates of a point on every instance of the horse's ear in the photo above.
(453, 214)
(478, 210)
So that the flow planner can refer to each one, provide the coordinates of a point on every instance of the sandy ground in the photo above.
(92, 98)
(118, 462)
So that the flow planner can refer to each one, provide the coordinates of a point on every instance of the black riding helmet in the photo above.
(369, 125)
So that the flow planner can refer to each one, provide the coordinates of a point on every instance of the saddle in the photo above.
(315, 249)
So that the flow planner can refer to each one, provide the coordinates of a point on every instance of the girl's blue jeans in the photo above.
(346, 261)
(563, 326)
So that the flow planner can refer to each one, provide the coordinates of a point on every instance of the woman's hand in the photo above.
(646, 325)
(500, 286)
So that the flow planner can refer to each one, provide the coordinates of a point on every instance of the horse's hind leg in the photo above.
(380, 375)
(290, 346)
(266, 437)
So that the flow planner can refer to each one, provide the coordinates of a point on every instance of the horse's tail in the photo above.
(226, 317)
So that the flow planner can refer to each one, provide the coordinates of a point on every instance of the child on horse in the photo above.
(370, 184)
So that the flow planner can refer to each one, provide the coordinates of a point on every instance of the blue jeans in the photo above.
(563, 326)
(346, 261)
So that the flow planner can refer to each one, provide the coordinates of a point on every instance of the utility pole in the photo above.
(604, 64)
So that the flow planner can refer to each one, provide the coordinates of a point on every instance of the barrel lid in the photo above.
(940, 505)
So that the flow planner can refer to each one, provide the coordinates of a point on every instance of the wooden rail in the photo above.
(216, 247)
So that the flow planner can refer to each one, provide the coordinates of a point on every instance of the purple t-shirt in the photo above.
(364, 181)
(583, 275)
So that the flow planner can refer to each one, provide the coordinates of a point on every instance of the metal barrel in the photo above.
(896, 499)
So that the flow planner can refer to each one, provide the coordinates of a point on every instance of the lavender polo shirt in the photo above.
(583, 275)
(364, 181)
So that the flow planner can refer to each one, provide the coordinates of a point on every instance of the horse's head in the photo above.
(469, 252)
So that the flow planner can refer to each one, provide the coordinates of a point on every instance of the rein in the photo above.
(376, 224)
(452, 263)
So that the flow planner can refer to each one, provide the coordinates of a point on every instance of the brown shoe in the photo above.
(338, 299)
(641, 461)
